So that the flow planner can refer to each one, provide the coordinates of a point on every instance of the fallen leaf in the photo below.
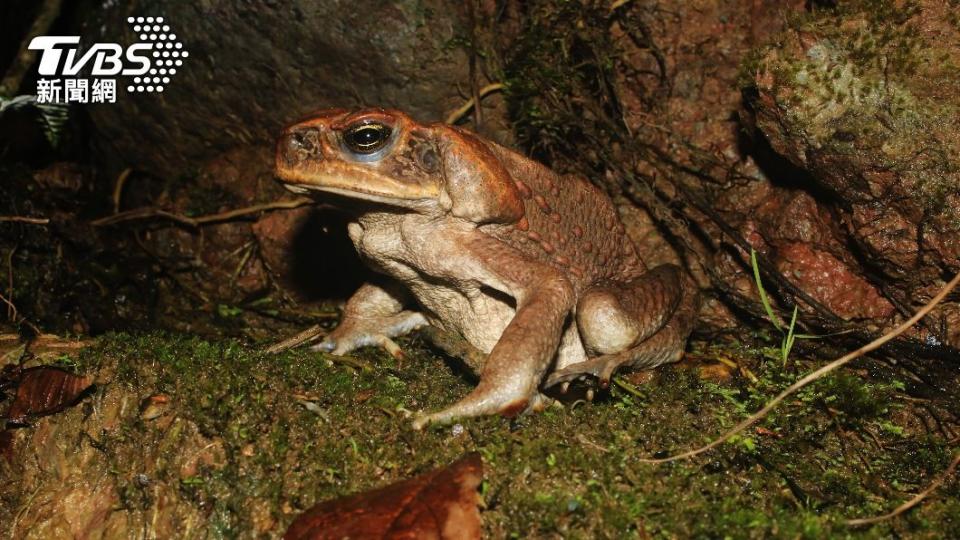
(364, 395)
(715, 372)
(154, 406)
(768, 433)
(45, 390)
(438, 504)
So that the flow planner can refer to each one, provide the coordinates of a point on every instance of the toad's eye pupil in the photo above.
(367, 135)
(367, 138)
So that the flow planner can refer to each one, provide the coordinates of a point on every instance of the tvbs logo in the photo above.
(107, 57)
(150, 62)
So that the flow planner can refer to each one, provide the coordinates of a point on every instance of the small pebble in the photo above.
(457, 430)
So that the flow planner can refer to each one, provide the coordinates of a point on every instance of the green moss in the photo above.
(562, 60)
(853, 398)
(866, 70)
(293, 429)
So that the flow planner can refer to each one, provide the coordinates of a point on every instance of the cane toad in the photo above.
(532, 268)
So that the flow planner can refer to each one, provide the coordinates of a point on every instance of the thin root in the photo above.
(456, 115)
(811, 377)
(118, 188)
(150, 212)
(25, 219)
(917, 499)
(306, 336)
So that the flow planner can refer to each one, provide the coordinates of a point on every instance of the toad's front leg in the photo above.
(372, 316)
(511, 375)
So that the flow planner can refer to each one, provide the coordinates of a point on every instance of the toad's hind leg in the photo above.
(640, 324)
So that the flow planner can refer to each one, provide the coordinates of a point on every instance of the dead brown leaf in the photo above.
(45, 390)
(154, 406)
(438, 504)
(364, 395)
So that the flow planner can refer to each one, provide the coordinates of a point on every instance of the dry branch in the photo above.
(305, 336)
(456, 115)
(194, 222)
(917, 499)
(819, 373)
(25, 219)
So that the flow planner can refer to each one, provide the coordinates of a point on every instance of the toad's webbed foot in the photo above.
(464, 409)
(661, 348)
(640, 324)
(372, 316)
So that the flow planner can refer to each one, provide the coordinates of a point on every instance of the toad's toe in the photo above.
(327, 345)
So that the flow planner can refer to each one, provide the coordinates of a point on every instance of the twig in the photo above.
(53, 341)
(627, 387)
(873, 345)
(248, 250)
(144, 213)
(22, 318)
(303, 337)
(917, 499)
(458, 114)
(149, 212)
(11, 308)
(11, 311)
(25, 219)
(118, 188)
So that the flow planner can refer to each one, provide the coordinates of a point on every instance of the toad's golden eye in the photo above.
(366, 138)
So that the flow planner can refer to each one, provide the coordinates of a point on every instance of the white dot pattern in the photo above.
(167, 52)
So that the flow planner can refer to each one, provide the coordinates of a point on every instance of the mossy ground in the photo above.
(292, 429)
(295, 429)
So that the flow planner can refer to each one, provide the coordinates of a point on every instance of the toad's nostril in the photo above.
(301, 144)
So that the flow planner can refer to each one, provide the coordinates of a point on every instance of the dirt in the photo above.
(185, 436)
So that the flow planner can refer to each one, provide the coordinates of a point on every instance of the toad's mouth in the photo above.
(347, 193)
(373, 187)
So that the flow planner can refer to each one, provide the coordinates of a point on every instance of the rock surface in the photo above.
(866, 100)
(257, 66)
(850, 187)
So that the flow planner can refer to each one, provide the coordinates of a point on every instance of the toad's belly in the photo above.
(478, 314)
(479, 317)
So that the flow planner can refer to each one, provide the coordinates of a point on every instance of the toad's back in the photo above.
(567, 222)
